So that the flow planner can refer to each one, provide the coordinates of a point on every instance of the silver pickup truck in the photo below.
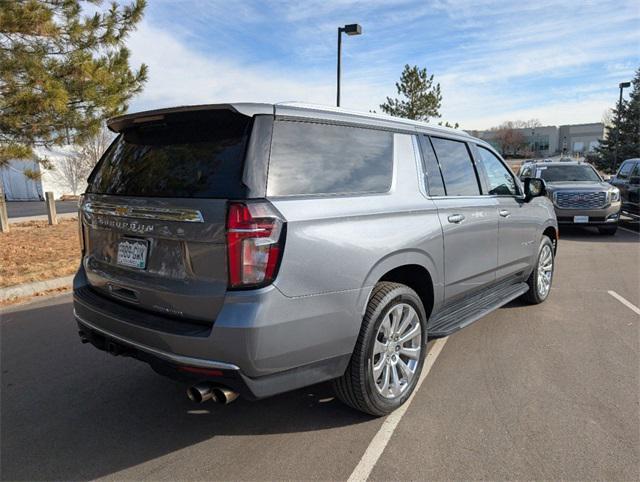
(254, 249)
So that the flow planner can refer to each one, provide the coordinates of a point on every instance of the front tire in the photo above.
(387, 360)
(542, 275)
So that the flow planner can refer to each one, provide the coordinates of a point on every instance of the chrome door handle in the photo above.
(504, 213)
(456, 218)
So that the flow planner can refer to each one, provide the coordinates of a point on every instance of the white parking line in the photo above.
(626, 303)
(381, 439)
(629, 230)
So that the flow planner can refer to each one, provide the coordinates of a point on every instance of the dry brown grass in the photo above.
(35, 251)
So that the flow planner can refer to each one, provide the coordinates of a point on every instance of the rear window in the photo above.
(312, 158)
(190, 156)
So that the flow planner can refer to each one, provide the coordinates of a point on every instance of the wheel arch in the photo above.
(413, 268)
(552, 233)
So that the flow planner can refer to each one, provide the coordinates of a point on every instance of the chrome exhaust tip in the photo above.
(223, 395)
(200, 392)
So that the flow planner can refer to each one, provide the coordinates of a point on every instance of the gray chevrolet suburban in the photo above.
(252, 249)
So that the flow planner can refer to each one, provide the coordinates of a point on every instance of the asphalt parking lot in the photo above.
(544, 392)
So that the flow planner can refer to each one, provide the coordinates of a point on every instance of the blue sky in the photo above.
(556, 61)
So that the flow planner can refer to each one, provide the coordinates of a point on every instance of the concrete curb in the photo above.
(44, 217)
(28, 289)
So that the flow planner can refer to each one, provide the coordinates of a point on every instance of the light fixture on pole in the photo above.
(351, 29)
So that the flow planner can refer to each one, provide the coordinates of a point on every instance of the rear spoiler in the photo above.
(120, 123)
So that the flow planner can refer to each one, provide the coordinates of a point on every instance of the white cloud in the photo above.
(503, 61)
(179, 75)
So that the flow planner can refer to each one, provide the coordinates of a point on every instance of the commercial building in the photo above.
(546, 141)
(17, 186)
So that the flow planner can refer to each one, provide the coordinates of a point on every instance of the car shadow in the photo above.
(591, 235)
(69, 411)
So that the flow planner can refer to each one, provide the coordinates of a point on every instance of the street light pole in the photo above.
(622, 85)
(351, 29)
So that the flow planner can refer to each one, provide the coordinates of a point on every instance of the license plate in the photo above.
(133, 253)
(580, 219)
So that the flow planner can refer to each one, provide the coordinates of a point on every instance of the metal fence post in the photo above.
(51, 207)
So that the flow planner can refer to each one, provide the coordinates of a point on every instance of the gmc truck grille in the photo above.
(581, 200)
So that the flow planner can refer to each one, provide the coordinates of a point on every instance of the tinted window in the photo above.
(196, 158)
(500, 180)
(526, 172)
(311, 158)
(431, 169)
(625, 169)
(457, 169)
(567, 173)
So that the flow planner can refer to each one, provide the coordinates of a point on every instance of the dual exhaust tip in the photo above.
(201, 392)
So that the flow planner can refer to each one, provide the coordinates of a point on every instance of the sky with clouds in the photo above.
(557, 61)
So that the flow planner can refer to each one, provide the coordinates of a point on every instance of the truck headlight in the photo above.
(614, 195)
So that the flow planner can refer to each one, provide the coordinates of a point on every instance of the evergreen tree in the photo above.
(420, 100)
(624, 133)
(62, 71)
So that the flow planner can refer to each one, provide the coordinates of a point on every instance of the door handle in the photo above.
(504, 213)
(456, 218)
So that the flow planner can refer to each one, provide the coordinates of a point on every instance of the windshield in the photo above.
(568, 173)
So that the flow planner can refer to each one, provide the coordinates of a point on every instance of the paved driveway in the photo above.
(543, 392)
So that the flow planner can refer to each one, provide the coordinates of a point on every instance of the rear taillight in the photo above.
(254, 244)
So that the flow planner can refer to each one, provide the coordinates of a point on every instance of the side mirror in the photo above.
(634, 180)
(534, 187)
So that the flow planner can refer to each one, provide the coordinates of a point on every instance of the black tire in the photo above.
(356, 387)
(608, 230)
(533, 296)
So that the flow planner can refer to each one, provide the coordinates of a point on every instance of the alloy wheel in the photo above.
(545, 271)
(396, 351)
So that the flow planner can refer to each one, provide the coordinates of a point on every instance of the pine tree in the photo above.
(624, 134)
(421, 99)
(62, 72)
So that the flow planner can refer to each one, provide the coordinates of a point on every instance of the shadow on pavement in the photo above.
(69, 411)
(589, 234)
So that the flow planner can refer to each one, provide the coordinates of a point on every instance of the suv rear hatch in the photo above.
(155, 211)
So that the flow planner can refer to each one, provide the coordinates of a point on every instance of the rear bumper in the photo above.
(597, 217)
(262, 340)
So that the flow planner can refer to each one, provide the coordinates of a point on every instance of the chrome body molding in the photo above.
(171, 357)
(146, 212)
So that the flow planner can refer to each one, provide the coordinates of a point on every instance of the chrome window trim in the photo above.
(172, 357)
(146, 212)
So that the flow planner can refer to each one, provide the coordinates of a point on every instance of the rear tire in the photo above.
(541, 278)
(394, 313)
(608, 230)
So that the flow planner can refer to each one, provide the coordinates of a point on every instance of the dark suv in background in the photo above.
(627, 180)
(580, 196)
